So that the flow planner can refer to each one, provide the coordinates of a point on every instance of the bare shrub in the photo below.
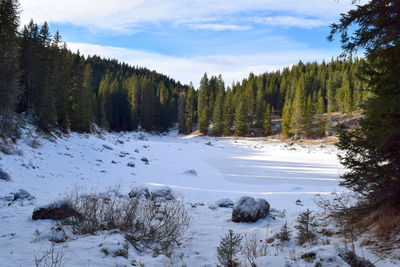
(158, 226)
(147, 224)
(254, 247)
(51, 257)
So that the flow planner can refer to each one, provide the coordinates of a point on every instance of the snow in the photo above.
(227, 168)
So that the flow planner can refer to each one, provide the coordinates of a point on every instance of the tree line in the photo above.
(63, 90)
(303, 95)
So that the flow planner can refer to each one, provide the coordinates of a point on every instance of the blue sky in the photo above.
(184, 39)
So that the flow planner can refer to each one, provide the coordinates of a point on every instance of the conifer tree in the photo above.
(241, 118)
(9, 70)
(286, 117)
(181, 113)
(228, 113)
(267, 122)
(218, 126)
(371, 151)
(319, 110)
(189, 109)
(299, 108)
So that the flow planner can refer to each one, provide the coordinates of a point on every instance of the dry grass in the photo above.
(383, 224)
(379, 225)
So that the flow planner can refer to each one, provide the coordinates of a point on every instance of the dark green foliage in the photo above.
(189, 109)
(284, 233)
(218, 120)
(301, 95)
(372, 151)
(9, 70)
(267, 122)
(63, 90)
(306, 224)
(309, 256)
(229, 246)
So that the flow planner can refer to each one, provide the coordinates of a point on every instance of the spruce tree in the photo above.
(228, 113)
(181, 113)
(203, 108)
(241, 125)
(217, 119)
(267, 122)
(9, 70)
(189, 109)
(286, 117)
(371, 151)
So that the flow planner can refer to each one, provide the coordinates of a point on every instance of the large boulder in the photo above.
(58, 210)
(248, 209)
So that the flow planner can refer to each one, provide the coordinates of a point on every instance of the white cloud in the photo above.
(291, 21)
(220, 27)
(186, 69)
(129, 15)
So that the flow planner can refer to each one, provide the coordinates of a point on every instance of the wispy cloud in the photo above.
(129, 15)
(186, 69)
(220, 27)
(292, 21)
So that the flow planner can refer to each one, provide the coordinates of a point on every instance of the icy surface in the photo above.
(226, 168)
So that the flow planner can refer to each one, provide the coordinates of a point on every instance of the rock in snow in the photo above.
(222, 203)
(163, 193)
(145, 160)
(191, 172)
(107, 147)
(23, 195)
(140, 192)
(248, 209)
(4, 176)
(58, 210)
(130, 164)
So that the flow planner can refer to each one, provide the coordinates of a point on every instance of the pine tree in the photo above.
(286, 117)
(218, 126)
(229, 246)
(299, 108)
(371, 151)
(203, 122)
(319, 110)
(203, 108)
(228, 112)
(306, 224)
(308, 116)
(181, 113)
(9, 71)
(240, 124)
(133, 94)
(189, 109)
(267, 122)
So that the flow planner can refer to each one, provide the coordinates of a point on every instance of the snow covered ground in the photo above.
(224, 168)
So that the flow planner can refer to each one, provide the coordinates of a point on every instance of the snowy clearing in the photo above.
(202, 169)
